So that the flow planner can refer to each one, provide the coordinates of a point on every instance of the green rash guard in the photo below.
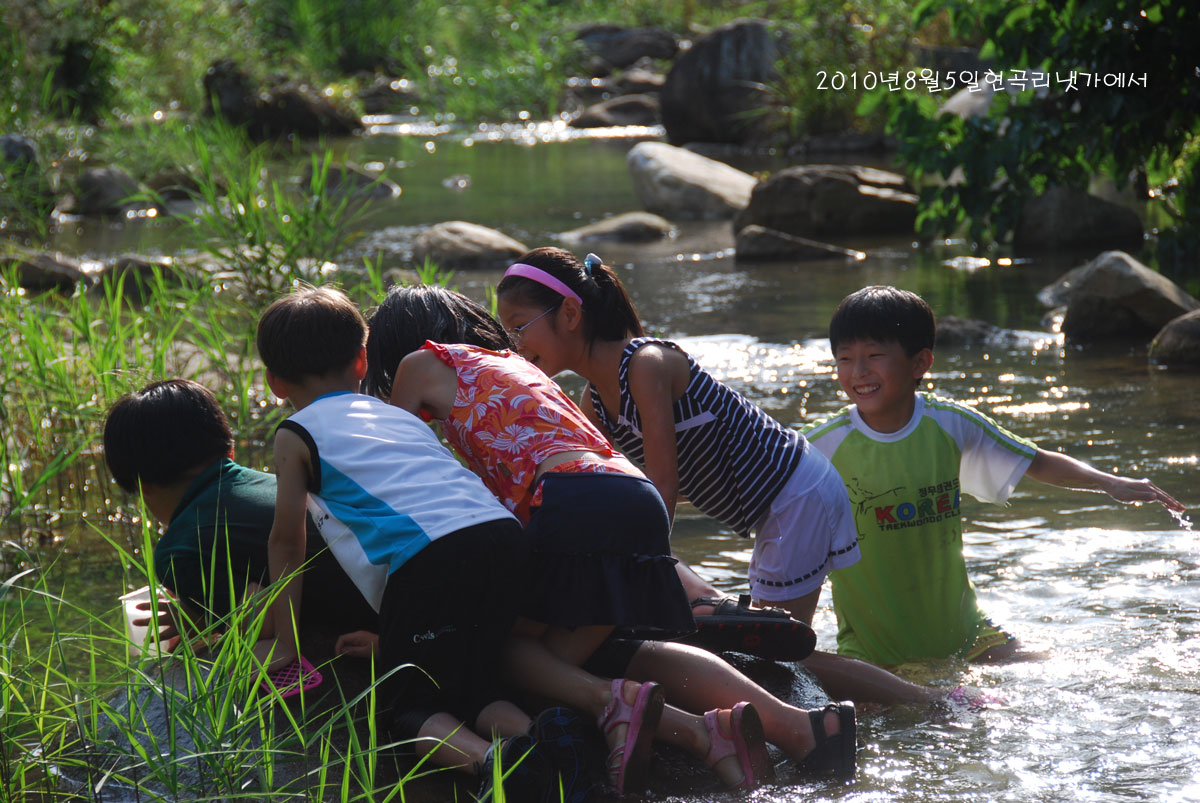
(909, 598)
(219, 529)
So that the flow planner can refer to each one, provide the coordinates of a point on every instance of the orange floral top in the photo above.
(508, 417)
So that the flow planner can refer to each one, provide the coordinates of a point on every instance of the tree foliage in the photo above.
(1064, 133)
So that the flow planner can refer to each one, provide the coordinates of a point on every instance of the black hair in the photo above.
(155, 435)
(312, 331)
(608, 313)
(411, 315)
(884, 314)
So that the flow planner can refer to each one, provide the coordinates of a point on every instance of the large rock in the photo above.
(717, 90)
(623, 110)
(40, 271)
(1179, 341)
(1065, 218)
(1115, 296)
(677, 183)
(289, 109)
(458, 245)
(620, 46)
(108, 191)
(630, 227)
(832, 200)
(24, 187)
(756, 244)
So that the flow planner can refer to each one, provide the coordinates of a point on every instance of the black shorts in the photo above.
(448, 611)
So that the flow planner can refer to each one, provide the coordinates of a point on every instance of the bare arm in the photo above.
(651, 385)
(424, 382)
(1054, 468)
(285, 548)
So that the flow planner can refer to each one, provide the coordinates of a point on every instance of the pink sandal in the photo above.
(628, 762)
(745, 741)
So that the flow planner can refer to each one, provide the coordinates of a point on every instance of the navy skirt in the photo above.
(601, 555)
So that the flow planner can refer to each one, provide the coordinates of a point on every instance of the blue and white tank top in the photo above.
(733, 458)
(383, 486)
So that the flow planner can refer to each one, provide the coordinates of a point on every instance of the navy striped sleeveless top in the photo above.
(733, 457)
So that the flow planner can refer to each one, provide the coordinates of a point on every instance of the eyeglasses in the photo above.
(516, 332)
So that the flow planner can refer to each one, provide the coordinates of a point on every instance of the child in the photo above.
(171, 442)
(906, 456)
(422, 538)
(696, 436)
(598, 529)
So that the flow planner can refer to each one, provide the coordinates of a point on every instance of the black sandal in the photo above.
(766, 632)
(834, 752)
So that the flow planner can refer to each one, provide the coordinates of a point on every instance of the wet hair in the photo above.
(312, 331)
(886, 315)
(155, 435)
(411, 315)
(608, 313)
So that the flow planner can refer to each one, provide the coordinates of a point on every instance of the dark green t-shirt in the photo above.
(217, 538)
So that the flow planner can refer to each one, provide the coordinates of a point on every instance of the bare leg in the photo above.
(501, 719)
(851, 679)
(450, 743)
(695, 679)
(693, 584)
(801, 608)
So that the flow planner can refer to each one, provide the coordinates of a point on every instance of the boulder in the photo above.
(623, 110)
(175, 184)
(832, 200)
(1064, 217)
(458, 245)
(106, 191)
(677, 183)
(288, 109)
(350, 179)
(967, 103)
(620, 46)
(1178, 343)
(1115, 296)
(955, 331)
(755, 243)
(24, 187)
(41, 271)
(630, 227)
(717, 89)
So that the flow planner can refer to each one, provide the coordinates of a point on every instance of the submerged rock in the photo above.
(717, 90)
(677, 183)
(1178, 343)
(1115, 296)
(351, 179)
(41, 271)
(755, 243)
(832, 200)
(1065, 217)
(623, 110)
(458, 245)
(630, 227)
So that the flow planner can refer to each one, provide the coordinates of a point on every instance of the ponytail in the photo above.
(608, 312)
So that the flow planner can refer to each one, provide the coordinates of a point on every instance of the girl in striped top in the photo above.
(695, 437)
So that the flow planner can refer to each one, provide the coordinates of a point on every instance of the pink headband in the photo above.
(542, 277)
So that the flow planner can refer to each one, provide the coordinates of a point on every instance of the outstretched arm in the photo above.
(650, 385)
(1054, 468)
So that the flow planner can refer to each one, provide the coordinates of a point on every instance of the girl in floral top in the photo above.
(599, 529)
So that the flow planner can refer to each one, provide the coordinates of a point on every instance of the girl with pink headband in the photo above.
(599, 530)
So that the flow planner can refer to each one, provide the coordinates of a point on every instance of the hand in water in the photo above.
(1138, 491)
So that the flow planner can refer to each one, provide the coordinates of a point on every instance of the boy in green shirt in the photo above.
(906, 457)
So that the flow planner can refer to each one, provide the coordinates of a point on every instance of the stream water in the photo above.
(1109, 594)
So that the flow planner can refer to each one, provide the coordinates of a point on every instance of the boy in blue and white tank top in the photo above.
(429, 547)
